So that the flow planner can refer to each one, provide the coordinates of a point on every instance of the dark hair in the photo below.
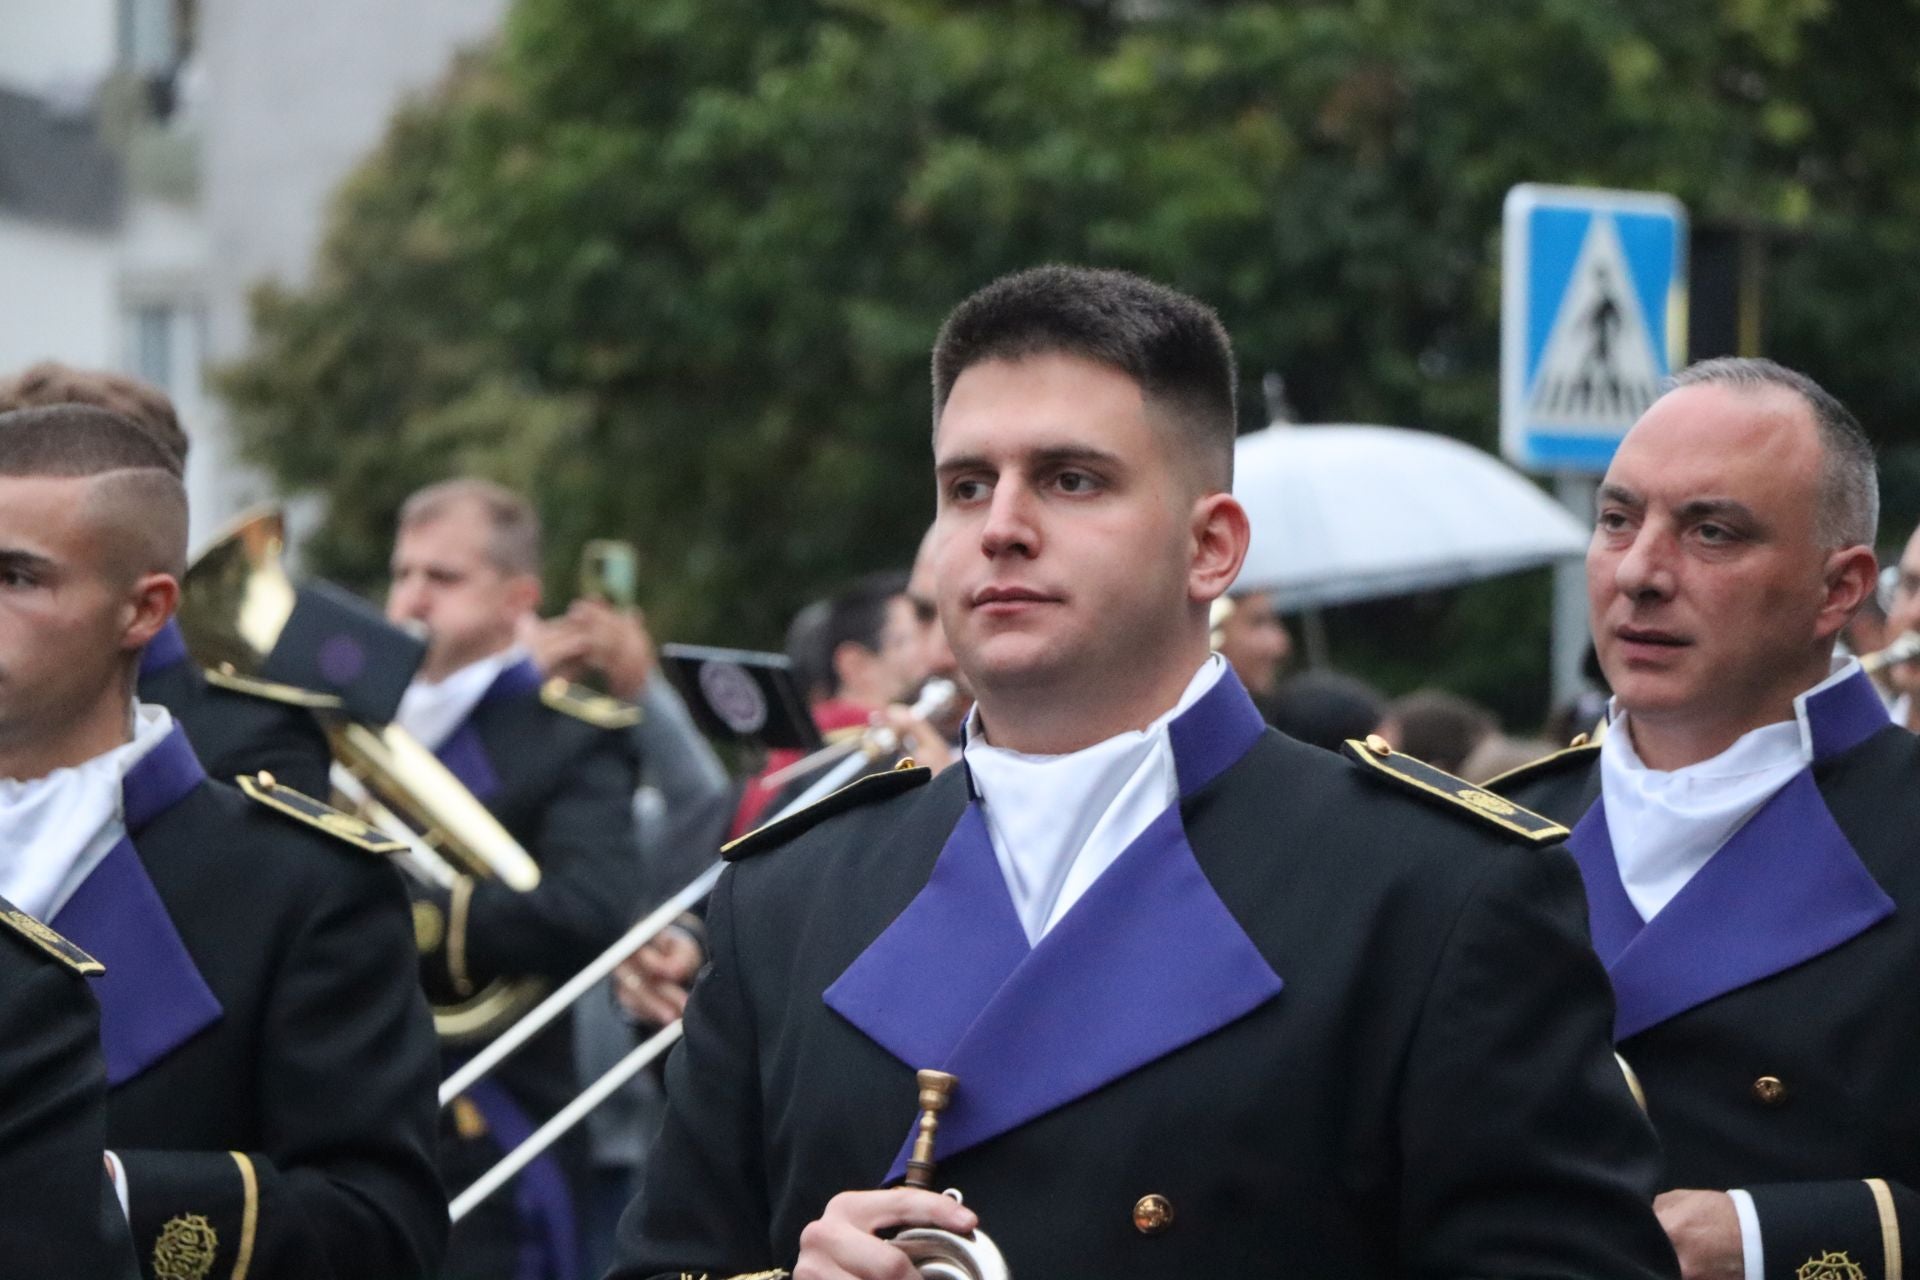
(76, 440)
(1325, 708)
(1172, 345)
(1440, 728)
(806, 638)
(1849, 480)
(137, 493)
(858, 615)
(146, 407)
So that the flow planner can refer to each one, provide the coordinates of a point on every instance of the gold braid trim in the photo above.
(250, 1218)
(457, 936)
(1889, 1227)
(751, 1275)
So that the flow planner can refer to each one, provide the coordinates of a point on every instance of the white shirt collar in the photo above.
(55, 830)
(1058, 822)
(1666, 824)
(432, 711)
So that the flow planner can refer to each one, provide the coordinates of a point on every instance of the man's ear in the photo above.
(151, 602)
(523, 593)
(1220, 534)
(1851, 575)
(851, 661)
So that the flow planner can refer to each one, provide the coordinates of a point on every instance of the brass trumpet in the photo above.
(235, 602)
(937, 1254)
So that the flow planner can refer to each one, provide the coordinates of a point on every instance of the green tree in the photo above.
(675, 266)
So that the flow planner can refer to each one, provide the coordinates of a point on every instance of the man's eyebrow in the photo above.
(1619, 493)
(1718, 509)
(1044, 457)
(15, 558)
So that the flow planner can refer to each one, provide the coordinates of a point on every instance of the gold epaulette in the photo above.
(875, 786)
(314, 813)
(1578, 754)
(52, 943)
(597, 709)
(1456, 793)
(291, 694)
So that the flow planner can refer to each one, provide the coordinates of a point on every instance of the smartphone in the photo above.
(610, 571)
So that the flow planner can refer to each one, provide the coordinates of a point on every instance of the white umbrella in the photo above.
(1345, 513)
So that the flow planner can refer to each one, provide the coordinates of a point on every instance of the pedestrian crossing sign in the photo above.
(1592, 319)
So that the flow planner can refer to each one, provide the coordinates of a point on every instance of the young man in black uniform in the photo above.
(60, 1216)
(270, 1063)
(1746, 829)
(557, 765)
(1218, 1003)
(236, 724)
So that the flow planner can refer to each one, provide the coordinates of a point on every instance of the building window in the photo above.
(153, 345)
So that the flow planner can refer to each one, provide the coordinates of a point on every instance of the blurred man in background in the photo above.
(270, 1063)
(237, 724)
(558, 766)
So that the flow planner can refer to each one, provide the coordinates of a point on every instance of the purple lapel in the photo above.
(1785, 888)
(1611, 916)
(952, 983)
(464, 754)
(152, 997)
(167, 649)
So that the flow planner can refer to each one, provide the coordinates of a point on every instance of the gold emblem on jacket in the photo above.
(185, 1249)
(1834, 1265)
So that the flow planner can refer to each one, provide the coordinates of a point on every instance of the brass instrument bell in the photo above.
(235, 603)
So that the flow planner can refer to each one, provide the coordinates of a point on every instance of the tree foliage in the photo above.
(675, 266)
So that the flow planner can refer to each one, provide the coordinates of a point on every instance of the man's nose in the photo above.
(1010, 527)
(1645, 569)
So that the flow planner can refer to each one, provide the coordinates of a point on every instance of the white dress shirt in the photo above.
(1058, 822)
(55, 830)
(432, 711)
(1667, 824)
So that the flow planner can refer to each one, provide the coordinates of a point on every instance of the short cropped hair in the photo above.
(513, 543)
(1849, 513)
(1172, 345)
(137, 491)
(858, 615)
(145, 406)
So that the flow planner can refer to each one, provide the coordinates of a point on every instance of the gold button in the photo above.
(1579, 740)
(1379, 745)
(1769, 1091)
(1152, 1215)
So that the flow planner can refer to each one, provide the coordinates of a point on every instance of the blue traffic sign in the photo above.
(1592, 319)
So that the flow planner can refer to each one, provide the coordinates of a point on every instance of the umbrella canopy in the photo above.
(1345, 513)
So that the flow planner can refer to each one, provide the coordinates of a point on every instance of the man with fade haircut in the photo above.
(1746, 827)
(1216, 1003)
(270, 1064)
(557, 765)
(237, 724)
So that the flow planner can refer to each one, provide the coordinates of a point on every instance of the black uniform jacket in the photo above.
(558, 766)
(271, 1063)
(1337, 1029)
(1769, 1009)
(58, 1213)
(239, 726)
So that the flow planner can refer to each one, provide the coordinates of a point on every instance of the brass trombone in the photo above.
(935, 697)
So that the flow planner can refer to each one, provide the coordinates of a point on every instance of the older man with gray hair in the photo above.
(1745, 828)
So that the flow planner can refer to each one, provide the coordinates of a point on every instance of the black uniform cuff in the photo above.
(1842, 1230)
(193, 1213)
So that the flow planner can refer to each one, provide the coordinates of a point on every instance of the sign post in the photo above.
(1592, 320)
